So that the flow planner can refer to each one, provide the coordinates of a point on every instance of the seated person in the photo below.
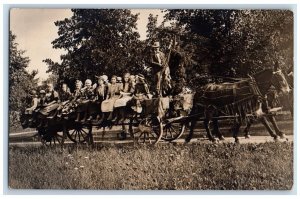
(65, 96)
(112, 95)
(127, 90)
(71, 106)
(64, 93)
(141, 92)
(40, 105)
(51, 101)
(87, 94)
(132, 80)
(78, 90)
(50, 104)
(41, 100)
(101, 92)
(29, 111)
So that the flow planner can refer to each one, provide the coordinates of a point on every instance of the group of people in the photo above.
(92, 101)
(104, 96)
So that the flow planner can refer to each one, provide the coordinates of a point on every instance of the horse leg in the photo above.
(276, 128)
(265, 122)
(216, 129)
(236, 129)
(207, 122)
(246, 130)
(192, 121)
(291, 104)
(192, 127)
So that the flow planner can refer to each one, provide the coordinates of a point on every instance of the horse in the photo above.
(275, 98)
(235, 99)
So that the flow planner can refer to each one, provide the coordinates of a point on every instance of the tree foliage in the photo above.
(231, 43)
(239, 42)
(21, 82)
(97, 42)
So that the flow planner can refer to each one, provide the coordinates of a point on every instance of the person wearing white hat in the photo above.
(158, 64)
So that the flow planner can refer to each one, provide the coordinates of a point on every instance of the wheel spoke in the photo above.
(76, 135)
(144, 137)
(150, 141)
(167, 130)
(84, 131)
(58, 140)
(153, 134)
(171, 132)
(173, 129)
(141, 134)
(73, 132)
(82, 135)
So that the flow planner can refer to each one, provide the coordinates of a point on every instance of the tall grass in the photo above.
(196, 166)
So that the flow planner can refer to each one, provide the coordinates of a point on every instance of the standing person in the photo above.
(158, 62)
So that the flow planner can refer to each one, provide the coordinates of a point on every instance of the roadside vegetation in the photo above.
(196, 166)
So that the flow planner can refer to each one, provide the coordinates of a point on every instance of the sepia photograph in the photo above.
(151, 99)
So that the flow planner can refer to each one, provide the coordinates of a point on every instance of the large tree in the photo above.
(97, 41)
(239, 42)
(21, 82)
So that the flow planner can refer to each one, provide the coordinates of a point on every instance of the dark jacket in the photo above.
(154, 62)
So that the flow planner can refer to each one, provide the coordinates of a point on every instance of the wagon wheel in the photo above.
(78, 133)
(149, 130)
(51, 138)
(173, 131)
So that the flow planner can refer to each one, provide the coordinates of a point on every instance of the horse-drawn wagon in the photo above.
(156, 119)
(166, 118)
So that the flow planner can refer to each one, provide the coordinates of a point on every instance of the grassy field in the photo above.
(195, 166)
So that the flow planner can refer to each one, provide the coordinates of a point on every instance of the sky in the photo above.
(35, 30)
